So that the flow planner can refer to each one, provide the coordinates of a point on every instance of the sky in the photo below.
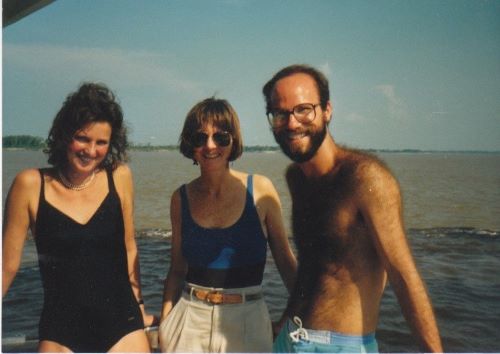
(412, 74)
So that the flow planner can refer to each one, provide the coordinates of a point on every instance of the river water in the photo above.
(452, 209)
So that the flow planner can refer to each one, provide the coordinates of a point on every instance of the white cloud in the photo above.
(396, 106)
(138, 68)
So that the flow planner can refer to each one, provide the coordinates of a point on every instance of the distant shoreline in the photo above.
(36, 143)
(268, 149)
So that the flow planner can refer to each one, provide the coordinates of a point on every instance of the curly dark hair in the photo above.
(211, 111)
(320, 80)
(92, 102)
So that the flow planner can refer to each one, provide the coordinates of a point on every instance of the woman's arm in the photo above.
(125, 188)
(178, 267)
(19, 208)
(268, 201)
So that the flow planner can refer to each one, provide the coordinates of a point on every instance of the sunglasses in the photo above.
(200, 139)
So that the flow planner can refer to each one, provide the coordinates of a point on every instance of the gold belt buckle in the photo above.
(214, 297)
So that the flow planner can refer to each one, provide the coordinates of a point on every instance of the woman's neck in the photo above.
(76, 177)
(213, 182)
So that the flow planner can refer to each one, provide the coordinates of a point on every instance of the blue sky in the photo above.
(403, 74)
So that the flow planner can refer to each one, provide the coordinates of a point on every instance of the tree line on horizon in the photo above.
(37, 143)
(23, 142)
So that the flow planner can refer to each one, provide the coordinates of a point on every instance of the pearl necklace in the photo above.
(76, 187)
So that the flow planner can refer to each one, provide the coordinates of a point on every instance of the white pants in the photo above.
(196, 326)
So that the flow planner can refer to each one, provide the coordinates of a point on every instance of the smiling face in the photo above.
(88, 147)
(218, 116)
(212, 154)
(299, 141)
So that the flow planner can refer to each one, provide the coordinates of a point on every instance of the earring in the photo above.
(195, 162)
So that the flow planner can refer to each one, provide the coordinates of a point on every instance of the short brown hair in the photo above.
(211, 111)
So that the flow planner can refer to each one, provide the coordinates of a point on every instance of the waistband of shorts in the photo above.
(221, 296)
(330, 337)
(246, 290)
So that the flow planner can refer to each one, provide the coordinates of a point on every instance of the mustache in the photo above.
(295, 131)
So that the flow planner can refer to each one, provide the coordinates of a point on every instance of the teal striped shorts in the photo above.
(293, 338)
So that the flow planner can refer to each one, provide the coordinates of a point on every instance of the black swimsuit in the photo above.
(88, 300)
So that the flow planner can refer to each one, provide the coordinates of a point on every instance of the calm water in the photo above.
(452, 204)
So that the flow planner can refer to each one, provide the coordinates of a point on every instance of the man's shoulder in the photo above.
(362, 163)
(371, 174)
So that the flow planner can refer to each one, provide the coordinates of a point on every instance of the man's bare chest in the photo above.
(326, 224)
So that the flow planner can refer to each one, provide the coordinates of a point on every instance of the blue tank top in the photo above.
(231, 257)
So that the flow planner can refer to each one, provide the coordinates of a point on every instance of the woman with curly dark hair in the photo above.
(80, 212)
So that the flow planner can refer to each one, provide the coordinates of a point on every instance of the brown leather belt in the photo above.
(215, 297)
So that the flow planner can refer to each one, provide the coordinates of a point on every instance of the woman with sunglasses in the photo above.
(80, 212)
(222, 222)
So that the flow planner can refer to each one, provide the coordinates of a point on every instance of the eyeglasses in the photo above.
(200, 139)
(305, 113)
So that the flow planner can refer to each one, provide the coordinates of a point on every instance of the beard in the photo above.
(298, 155)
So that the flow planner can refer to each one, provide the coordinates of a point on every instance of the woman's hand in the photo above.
(150, 320)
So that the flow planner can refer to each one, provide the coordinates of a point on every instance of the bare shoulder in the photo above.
(28, 176)
(25, 190)
(365, 164)
(371, 173)
(264, 191)
(122, 175)
(175, 206)
(176, 196)
(176, 200)
(122, 171)
(262, 183)
(27, 180)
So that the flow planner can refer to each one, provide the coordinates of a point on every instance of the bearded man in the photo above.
(348, 229)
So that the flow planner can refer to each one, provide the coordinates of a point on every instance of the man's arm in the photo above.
(380, 203)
